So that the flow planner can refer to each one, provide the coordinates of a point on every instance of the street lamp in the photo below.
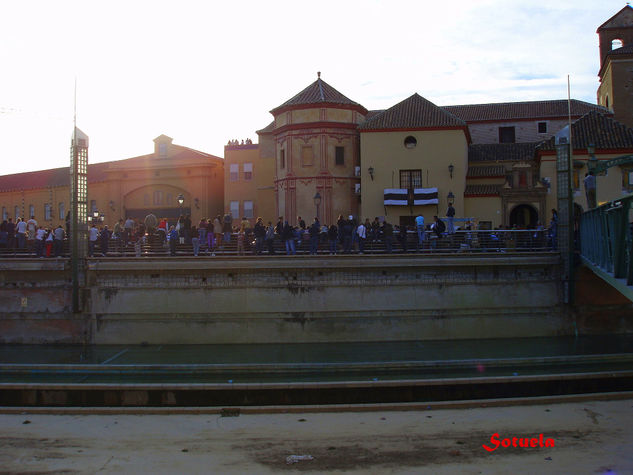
(317, 202)
(181, 200)
(371, 173)
(593, 160)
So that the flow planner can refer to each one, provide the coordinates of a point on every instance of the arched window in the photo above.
(617, 43)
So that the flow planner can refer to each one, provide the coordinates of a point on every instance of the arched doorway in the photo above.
(524, 216)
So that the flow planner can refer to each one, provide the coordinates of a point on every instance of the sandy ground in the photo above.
(590, 437)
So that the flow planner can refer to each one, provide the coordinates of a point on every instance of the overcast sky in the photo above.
(205, 72)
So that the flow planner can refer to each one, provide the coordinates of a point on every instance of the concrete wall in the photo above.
(295, 299)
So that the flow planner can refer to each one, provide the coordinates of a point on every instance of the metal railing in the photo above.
(498, 240)
(605, 238)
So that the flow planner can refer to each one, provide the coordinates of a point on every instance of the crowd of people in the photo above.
(210, 235)
(28, 235)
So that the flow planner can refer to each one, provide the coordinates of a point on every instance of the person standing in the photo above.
(39, 237)
(173, 237)
(217, 232)
(314, 232)
(450, 216)
(270, 238)
(128, 230)
(11, 234)
(387, 233)
(31, 228)
(332, 236)
(104, 240)
(227, 227)
(288, 236)
(419, 224)
(21, 233)
(59, 240)
(202, 230)
(49, 242)
(195, 241)
(93, 235)
(260, 236)
(361, 231)
(590, 189)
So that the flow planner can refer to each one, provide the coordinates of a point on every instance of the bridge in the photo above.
(606, 244)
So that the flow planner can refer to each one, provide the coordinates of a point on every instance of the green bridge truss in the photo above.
(606, 243)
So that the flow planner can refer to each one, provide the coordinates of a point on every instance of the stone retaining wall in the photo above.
(285, 299)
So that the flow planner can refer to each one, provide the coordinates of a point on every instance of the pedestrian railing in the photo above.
(606, 240)
(474, 241)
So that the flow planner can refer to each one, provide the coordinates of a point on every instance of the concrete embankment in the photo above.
(284, 299)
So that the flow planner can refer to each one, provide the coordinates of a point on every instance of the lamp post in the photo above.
(593, 161)
(317, 203)
(181, 200)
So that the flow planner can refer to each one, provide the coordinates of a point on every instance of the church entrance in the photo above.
(523, 216)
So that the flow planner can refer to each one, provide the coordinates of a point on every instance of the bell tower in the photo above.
(616, 65)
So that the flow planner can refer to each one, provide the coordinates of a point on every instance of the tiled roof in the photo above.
(497, 152)
(374, 113)
(268, 129)
(415, 112)
(97, 172)
(521, 110)
(624, 50)
(489, 171)
(593, 128)
(317, 92)
(48, 178)
(481, 190)
(618, 19)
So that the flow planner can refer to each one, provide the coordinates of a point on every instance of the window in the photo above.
(248, 171)
(170, 199)
(158, 198)
(523, 181)
(93, 206)
(410, 142)
(235, 209)
(162, 150)
(576, 179)
(542, 127)
(339, 158)
(410, 179)
(234, 172)
(62, 211)
(16, 213)
(506, 135)
(282, 158)
(4, 214)
(615, 44)
(248, 209)
(48, 211)
(307, 156)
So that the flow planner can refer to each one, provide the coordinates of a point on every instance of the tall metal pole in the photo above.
(570, 196)
(79, 211)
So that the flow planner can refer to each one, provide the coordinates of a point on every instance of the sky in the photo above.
(207, 72)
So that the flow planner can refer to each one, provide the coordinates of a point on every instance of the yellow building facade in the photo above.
(133, 187)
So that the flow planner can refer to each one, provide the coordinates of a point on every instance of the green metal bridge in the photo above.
(606, 243)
